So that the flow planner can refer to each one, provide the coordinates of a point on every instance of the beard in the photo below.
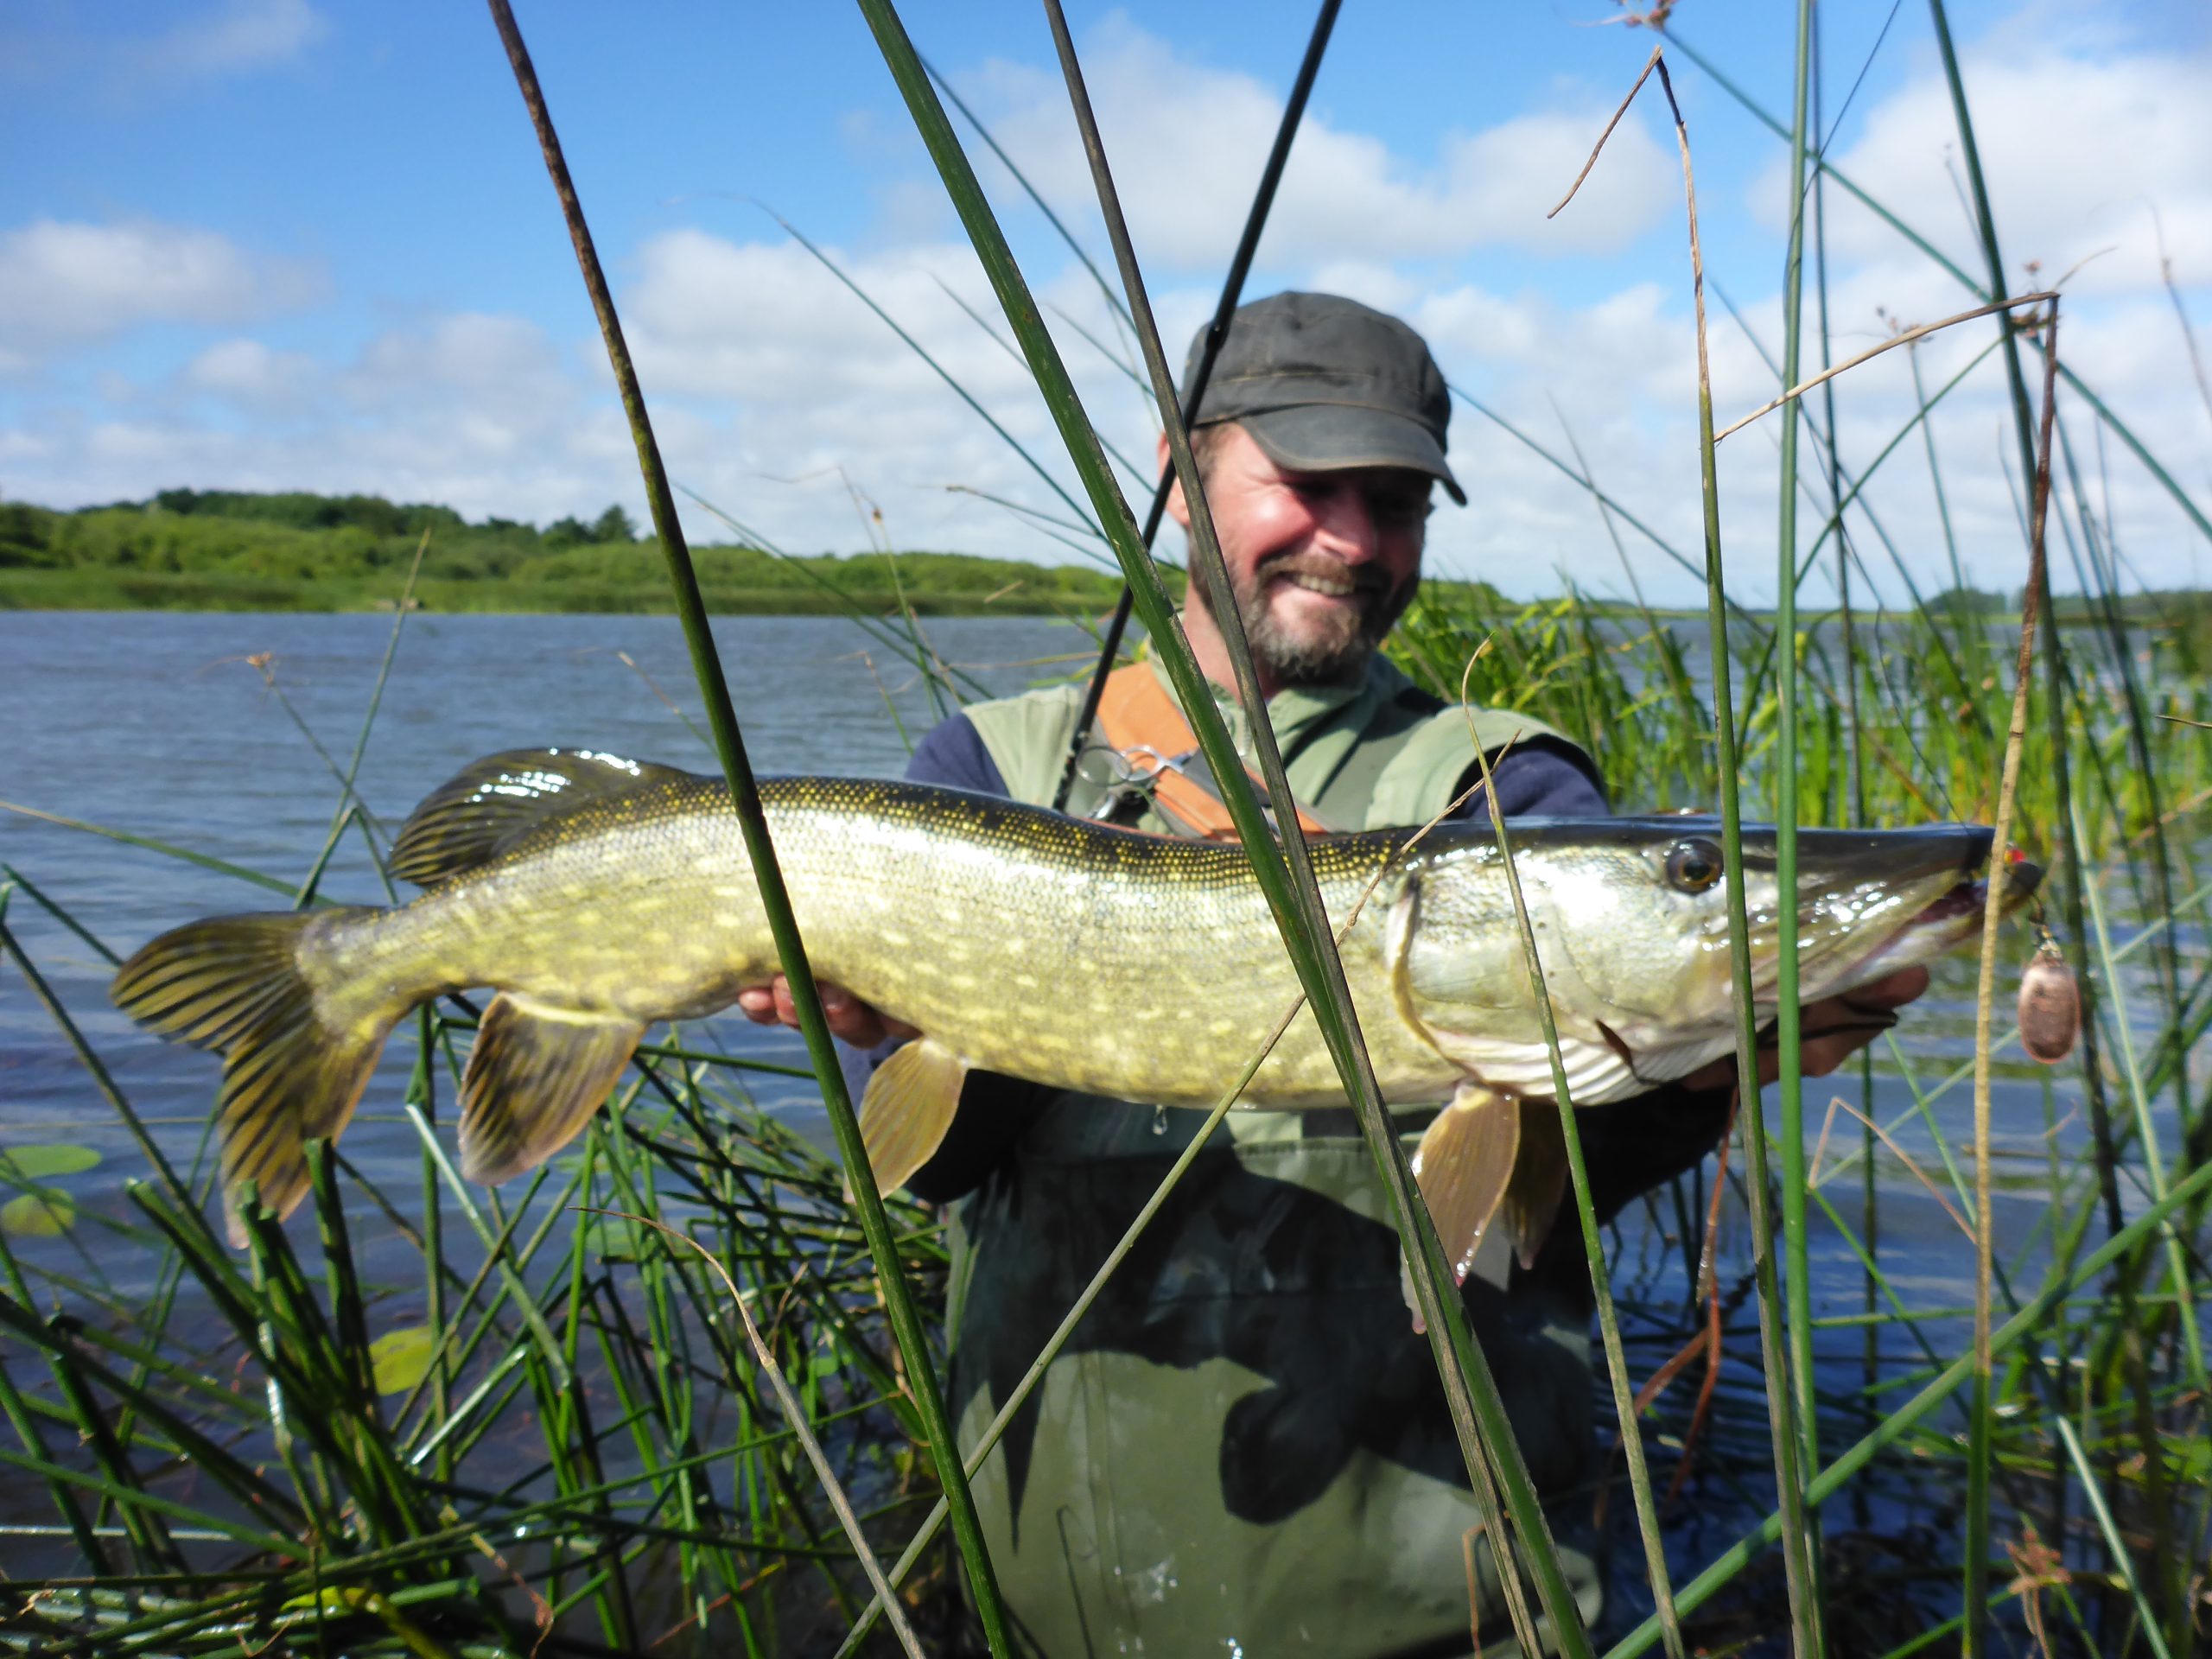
(1329, 650)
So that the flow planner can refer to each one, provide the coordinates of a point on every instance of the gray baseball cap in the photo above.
(1323, 384)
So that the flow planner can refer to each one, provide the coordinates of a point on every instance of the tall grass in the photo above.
(448, 1422)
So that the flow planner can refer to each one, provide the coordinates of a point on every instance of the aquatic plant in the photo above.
(455, 1421)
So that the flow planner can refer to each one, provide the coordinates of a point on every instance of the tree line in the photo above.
(226, 549)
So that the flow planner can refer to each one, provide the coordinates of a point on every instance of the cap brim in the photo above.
(1336, 437)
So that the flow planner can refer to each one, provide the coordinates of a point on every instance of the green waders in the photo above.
(1243, 1449)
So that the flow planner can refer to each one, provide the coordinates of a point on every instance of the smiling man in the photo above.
(1243, 1447)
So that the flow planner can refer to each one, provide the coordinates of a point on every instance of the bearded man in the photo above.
(1243, 1447)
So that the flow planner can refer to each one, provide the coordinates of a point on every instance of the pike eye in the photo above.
(1693, 865)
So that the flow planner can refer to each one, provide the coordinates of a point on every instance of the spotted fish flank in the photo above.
(598, 895)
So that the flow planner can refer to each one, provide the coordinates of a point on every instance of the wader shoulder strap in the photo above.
(1136, 714)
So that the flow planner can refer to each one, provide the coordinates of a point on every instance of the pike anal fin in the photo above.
(1465, 1167)
(908, 1108)
(537, 1074)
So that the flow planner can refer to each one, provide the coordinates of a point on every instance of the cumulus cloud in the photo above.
(2083, 149)
(250, 375)
(778, 395)
(237, 37)
(2091, 144)
(1187, 142)
(65, 284)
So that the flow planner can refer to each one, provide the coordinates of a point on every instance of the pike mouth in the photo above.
(1947, 920)
(1967, 899)
(1970, 897)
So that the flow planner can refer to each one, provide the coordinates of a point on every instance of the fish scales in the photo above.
(1134, 964)
(598, 896)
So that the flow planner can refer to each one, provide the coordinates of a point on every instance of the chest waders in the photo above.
(1243, 1448)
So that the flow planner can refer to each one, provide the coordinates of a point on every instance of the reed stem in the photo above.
(729, 743)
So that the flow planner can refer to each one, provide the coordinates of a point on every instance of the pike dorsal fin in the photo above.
(466, 821)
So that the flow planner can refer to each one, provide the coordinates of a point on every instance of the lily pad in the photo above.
(48, 1213)
(44, 1163)
(399, 1359)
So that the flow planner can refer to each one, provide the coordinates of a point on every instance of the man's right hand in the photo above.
(851, 1020)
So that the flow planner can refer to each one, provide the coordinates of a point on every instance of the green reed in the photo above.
(576, 1453)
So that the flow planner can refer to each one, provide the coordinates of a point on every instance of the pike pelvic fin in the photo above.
(908, 1108)
(235, 984)
(1464, 1167)
(536, 1075)
(1539, 1183)
(470, 819)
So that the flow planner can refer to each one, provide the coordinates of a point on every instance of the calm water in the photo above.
(163, 727)
(160, 726)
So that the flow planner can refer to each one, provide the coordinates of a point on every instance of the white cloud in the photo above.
(2077, 148)
(236, 37)
(778, 395)
(249, 374)
(65, 284)
(1187, 142)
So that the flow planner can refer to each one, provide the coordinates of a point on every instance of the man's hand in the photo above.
(1833, 1028)
(850, 1019)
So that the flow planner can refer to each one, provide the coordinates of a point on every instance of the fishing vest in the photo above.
(1370, 756)
(1243, 1447)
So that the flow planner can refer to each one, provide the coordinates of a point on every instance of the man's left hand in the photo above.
(1833, 1029)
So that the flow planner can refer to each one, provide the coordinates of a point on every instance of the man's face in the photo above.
(1322, 564)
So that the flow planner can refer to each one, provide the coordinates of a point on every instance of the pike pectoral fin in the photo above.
(537, 1074)
(1532, 1199)
(907, 1108)
(1465, 1167)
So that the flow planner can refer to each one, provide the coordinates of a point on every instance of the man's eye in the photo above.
(1399, 513)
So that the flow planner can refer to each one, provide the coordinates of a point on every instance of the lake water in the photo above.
(163, 726)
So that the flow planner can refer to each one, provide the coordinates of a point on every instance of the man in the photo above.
(1243, 1448)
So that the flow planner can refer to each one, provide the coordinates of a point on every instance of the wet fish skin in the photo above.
(598, 895)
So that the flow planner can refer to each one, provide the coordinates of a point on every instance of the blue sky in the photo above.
(267, 244)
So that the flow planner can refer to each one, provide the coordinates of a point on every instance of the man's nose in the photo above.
(1346, 520)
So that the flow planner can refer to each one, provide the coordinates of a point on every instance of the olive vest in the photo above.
(1243, 1448)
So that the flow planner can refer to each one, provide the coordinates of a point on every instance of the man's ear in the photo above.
(1178, 509)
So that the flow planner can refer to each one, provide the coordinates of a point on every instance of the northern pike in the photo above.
(597, 896)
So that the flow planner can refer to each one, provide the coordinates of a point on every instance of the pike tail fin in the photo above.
(537, 1074)
(236, 984)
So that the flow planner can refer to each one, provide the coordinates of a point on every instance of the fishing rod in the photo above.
(1216, 333)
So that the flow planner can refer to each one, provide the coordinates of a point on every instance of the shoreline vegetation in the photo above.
(233, 550)
(225, 550)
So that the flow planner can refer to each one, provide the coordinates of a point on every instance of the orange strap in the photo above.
(1136, 713)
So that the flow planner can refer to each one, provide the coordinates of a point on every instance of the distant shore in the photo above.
(219, 550)
(228, 550)
(143, 590)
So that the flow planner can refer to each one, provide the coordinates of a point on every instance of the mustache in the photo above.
(1368, 581)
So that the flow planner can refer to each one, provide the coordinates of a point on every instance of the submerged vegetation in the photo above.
(444, 1421)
